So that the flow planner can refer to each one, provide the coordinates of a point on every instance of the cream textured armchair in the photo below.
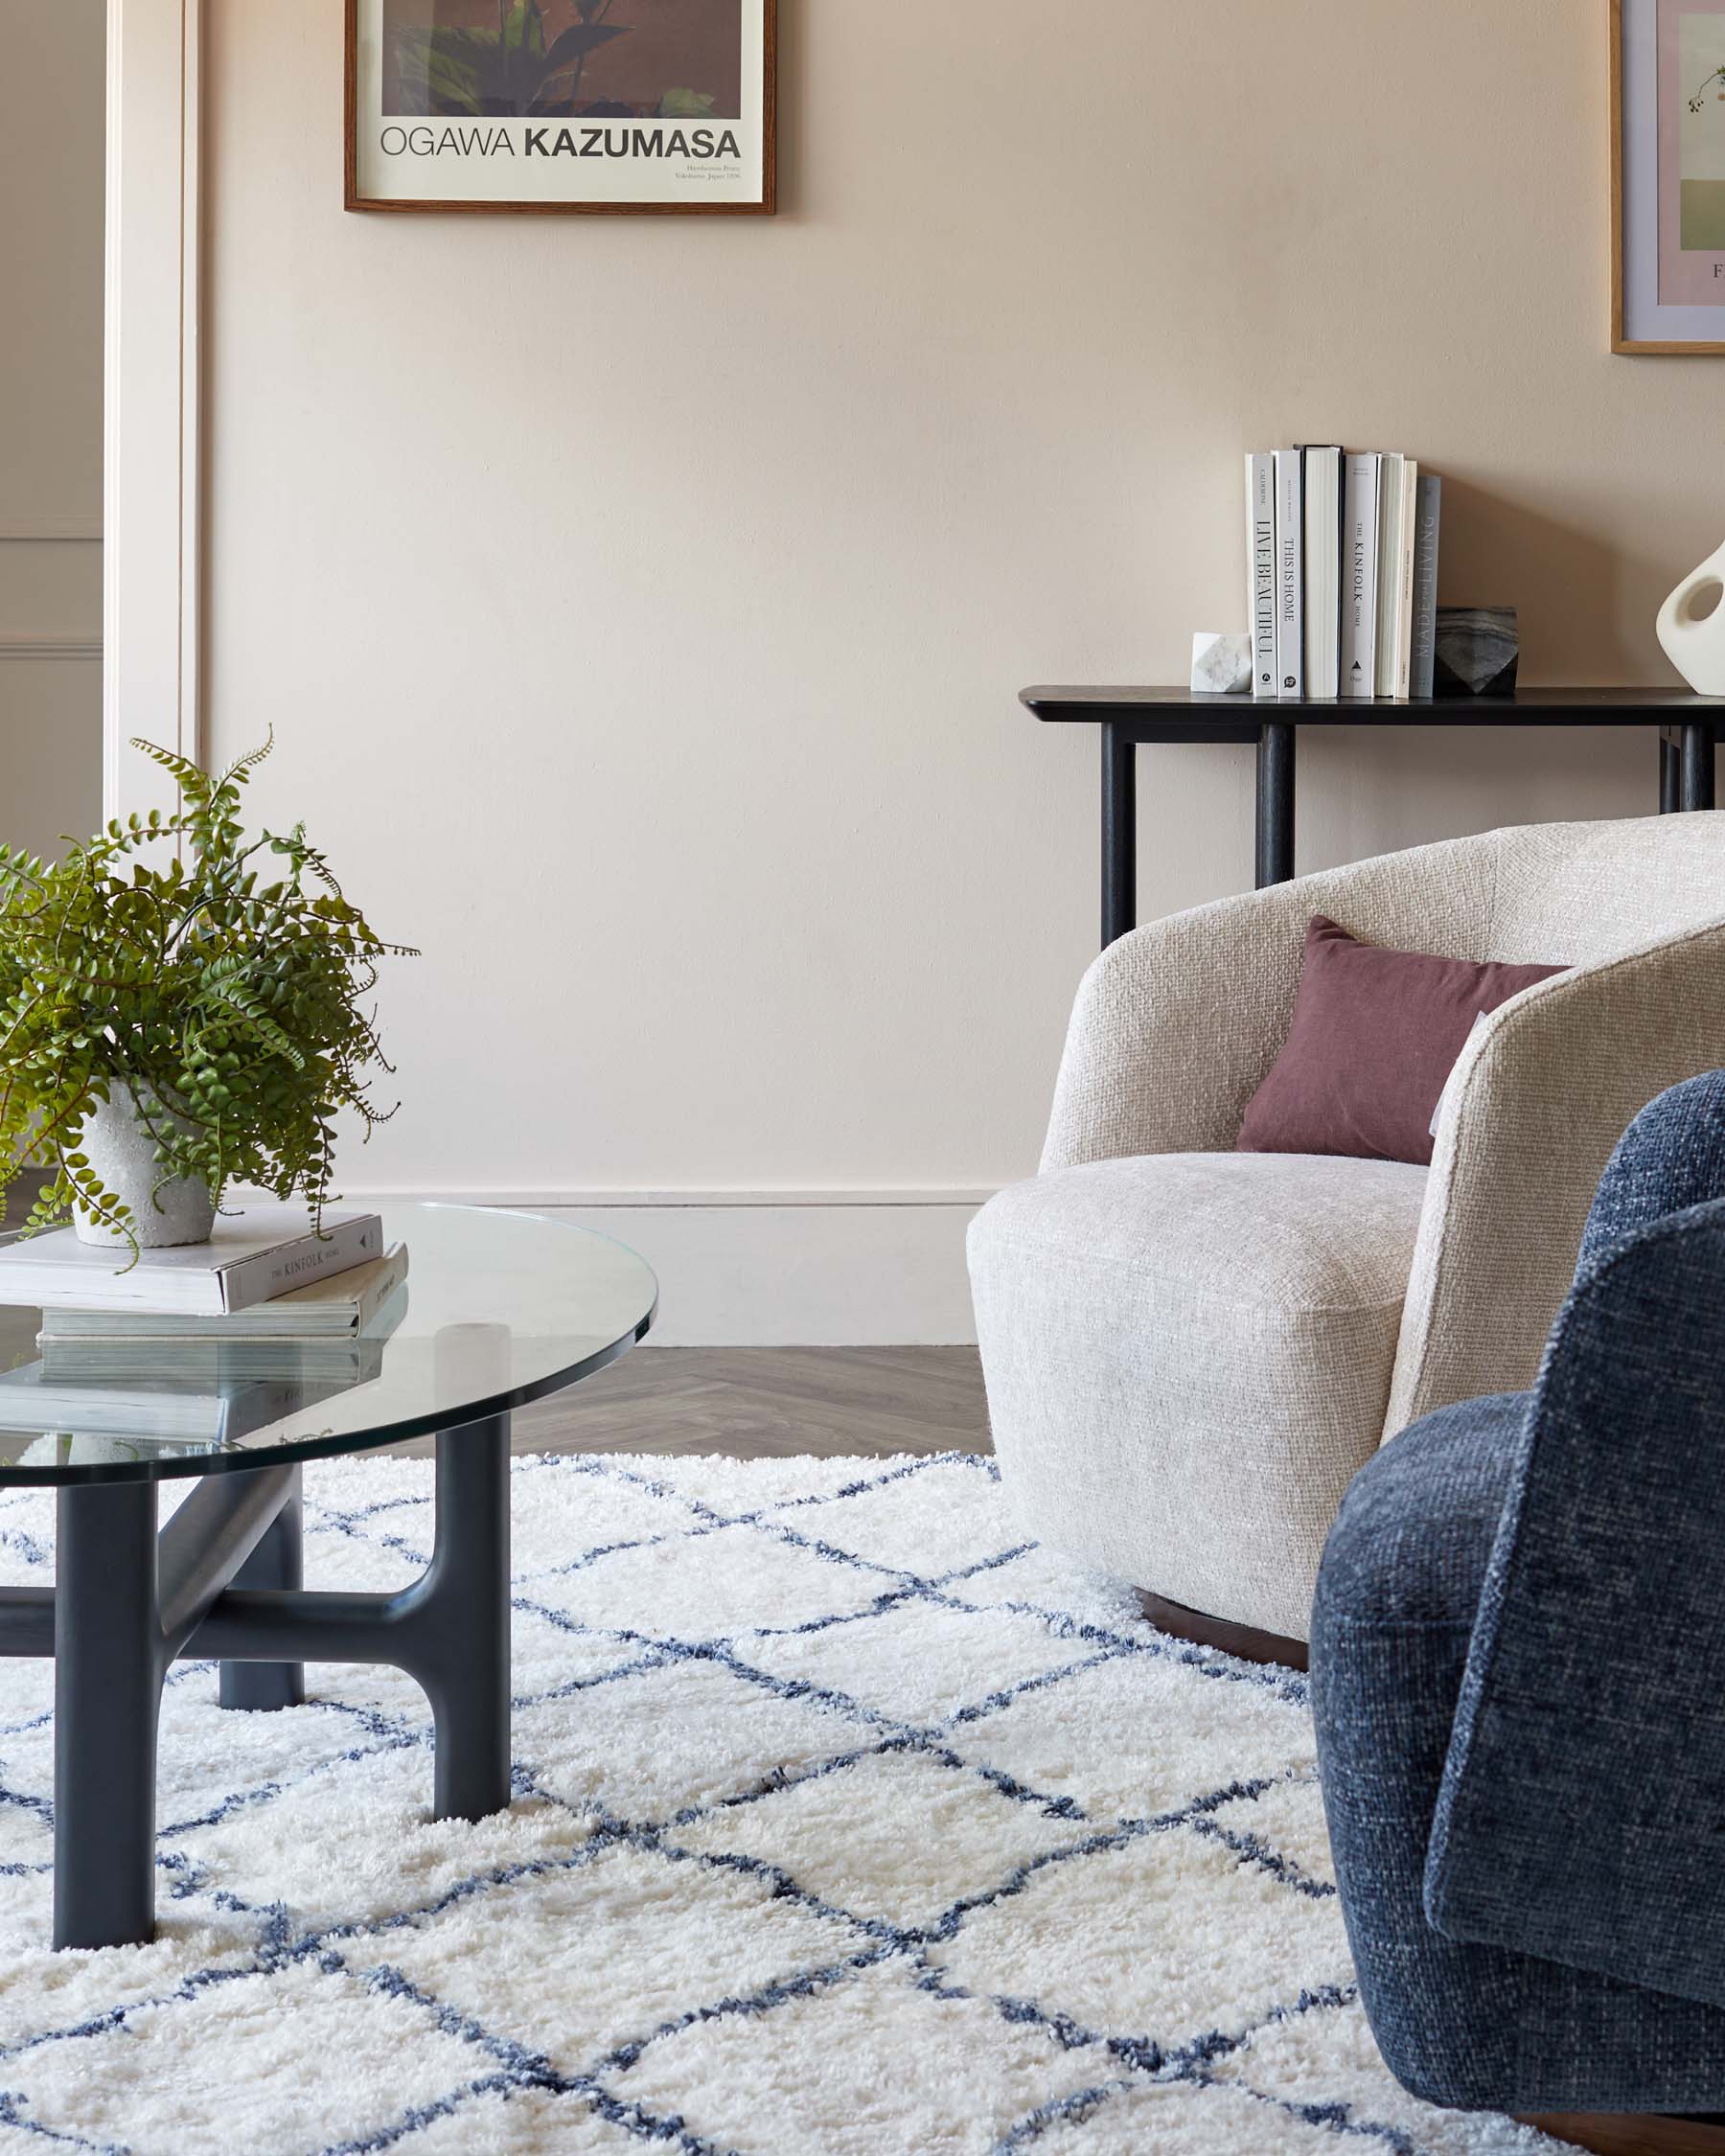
(1191, 1351)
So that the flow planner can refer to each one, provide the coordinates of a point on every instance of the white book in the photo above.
(113, 1359)
(1260, 569)
(1359, 575)
(250, 1257)
(162, 1408)
(1390, 467)
(59, 1449)
(1323, 572)
(1290, 577)
(1404, 598)
(1428, 517)
(341, 1306)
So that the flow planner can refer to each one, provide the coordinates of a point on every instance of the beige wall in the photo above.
(640, 604)
(50, 180)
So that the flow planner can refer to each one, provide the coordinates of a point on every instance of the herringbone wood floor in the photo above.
(755, 1402)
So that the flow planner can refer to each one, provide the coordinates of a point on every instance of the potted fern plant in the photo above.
(181, 1008)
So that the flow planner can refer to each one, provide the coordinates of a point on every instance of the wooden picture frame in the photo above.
(752, 194)
(1642, 319)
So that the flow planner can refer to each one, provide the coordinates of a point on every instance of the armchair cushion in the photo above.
(1474, 2026)
(1374, 1035)
(1189, 1355)
(1583, 1811)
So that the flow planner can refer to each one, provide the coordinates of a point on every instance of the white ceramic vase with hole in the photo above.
(1692, 626)
(121, 1153)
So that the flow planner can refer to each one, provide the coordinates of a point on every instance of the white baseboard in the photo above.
(780, 1268)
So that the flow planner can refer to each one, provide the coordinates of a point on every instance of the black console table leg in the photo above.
(277, 1561)
(1697, 764)
(1670, 798)
(463, 1659)
(1119, 832)
(1275, 803)
(107, 1690)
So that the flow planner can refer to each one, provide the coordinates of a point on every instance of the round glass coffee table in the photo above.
(498, 1309)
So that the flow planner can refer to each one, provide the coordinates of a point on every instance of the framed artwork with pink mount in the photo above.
(1667, 175)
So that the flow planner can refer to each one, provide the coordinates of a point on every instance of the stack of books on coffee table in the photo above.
(207, 1343)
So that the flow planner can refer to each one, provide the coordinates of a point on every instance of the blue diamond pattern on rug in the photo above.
(847, 1822)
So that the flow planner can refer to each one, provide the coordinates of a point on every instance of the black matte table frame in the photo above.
(1131, 718)
(222, 1582)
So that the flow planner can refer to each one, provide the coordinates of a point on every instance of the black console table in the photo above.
(1687, 725)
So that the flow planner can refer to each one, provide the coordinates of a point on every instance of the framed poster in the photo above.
(562, 106)
(1667, 175)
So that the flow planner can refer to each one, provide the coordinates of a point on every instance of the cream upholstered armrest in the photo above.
(1542, 1094)
(1172, 1029)
(1176, 1024)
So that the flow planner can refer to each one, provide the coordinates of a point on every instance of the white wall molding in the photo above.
(846, 1275)
(49, 647)
(783, 1198)
(791, 1267)
(788, 1268)
(152, 577)
(46, 533)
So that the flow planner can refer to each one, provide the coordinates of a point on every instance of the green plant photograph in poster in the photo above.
(1700, 126)
(561, 105)
(615, 60)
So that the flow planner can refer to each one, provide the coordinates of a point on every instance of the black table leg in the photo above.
(1670, 798)
(107, 1690)
(277, 1561)
(1119, 832)
(222, 1582)
(1275, 803)
(464, 1661)
(1697, 764)
(448, 1631)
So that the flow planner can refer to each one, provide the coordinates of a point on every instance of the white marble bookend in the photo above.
(1220, 665)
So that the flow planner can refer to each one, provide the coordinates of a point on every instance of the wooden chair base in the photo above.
(1245, 1640)
(1633, 2133)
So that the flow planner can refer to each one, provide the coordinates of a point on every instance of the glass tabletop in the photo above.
(498, 1309)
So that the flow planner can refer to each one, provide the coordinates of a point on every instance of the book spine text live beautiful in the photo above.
(1260, 569)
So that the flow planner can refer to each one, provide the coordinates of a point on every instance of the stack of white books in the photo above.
(1342, 576)
(203, 1343)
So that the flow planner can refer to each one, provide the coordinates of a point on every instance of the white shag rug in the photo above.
(846, 1822)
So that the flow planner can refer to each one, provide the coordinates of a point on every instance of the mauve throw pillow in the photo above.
(1375, 1034)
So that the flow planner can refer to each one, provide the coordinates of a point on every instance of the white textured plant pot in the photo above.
(121, 1153)
(1694, 643)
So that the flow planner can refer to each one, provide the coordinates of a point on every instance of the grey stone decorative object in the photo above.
(121, 1152)
(1221, 664)
(1475, 653)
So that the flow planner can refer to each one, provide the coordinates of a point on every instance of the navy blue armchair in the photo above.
(1518, 1676)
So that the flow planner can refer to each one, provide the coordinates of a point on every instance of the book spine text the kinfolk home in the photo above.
(1290, 578)
(273, 1272)
(1427, 514)
(1260, 569)
(1359, 575)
